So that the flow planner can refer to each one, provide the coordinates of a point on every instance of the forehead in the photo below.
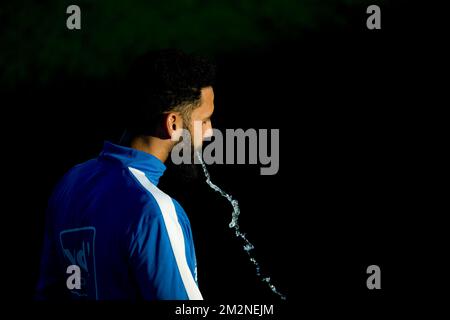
(207, 102)
(207, 93)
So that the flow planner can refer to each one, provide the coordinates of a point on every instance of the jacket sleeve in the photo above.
(153, 261)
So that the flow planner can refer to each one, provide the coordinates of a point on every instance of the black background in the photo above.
(348, 193)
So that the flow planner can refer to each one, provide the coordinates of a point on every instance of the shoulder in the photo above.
(156, 202)
(167, 206)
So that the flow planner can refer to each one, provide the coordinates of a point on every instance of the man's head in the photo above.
(170, 90)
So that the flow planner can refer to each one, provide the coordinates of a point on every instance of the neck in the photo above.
(155, 146)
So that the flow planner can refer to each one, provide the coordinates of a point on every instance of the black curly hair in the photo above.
(164, 81)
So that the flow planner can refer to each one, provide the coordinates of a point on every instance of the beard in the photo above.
(186, 172)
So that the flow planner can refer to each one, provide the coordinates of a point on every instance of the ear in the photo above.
(173, 125)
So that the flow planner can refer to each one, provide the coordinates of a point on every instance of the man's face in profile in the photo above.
(199, 127)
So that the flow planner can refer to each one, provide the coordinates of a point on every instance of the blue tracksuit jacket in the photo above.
(128, 238)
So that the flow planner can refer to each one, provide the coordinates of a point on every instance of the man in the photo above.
(110, 232)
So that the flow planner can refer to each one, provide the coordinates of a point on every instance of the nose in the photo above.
(208, 133)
